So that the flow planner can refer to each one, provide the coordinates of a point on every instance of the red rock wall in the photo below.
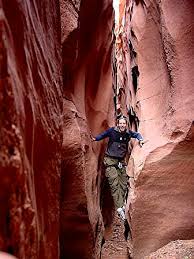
(30, 127)
(175, 249)
(43, 194)
(160, 36)
(50, 170)
(88, 107)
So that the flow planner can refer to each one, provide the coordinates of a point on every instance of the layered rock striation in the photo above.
(30, 128)
(52, 98)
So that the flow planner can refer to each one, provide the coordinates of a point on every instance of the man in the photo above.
(114, 162)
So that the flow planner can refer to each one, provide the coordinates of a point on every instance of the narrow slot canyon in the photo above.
(68, 70)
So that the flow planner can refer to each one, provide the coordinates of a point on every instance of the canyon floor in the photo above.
(115, 246)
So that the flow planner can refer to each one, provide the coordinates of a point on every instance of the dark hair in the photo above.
(122, 117)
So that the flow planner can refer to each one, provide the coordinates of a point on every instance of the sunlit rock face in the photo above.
(160, 42)
(174, 250)
(6, 256)
(30, 128)
(88, 108)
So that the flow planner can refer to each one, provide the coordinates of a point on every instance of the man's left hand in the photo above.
(141, 143)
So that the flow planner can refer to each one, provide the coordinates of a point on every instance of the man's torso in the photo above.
(118, 143)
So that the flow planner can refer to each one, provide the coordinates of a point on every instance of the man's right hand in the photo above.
(92, 138)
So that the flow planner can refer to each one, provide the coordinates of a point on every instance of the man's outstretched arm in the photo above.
(138, 136)
(102, 135)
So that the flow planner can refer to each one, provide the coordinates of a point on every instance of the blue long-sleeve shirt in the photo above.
(118, 141)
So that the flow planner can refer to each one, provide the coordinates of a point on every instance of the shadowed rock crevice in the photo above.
(135, 75)
(76, 239)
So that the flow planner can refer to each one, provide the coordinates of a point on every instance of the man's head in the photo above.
(122, 123)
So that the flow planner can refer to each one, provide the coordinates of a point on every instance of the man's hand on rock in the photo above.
(141, 143)
(92, 138)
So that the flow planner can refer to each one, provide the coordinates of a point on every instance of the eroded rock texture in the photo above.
(175, 249)
(39, 188)
(50, 188)
(30, 127)
(88, 108)
(160, 37)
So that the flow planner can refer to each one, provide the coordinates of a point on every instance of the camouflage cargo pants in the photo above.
(117, 179)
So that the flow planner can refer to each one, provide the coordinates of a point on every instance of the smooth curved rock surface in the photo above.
(161, 42)
(6, 256)
(88, 106)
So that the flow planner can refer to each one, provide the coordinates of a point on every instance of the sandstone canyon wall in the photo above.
(159, 54)
(88, 108)
(52, 98)
(30, 127)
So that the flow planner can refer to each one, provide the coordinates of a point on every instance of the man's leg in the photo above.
(117, 179)
(112, 175)
(123, 179)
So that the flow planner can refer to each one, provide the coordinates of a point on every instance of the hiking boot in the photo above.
(121, 213)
